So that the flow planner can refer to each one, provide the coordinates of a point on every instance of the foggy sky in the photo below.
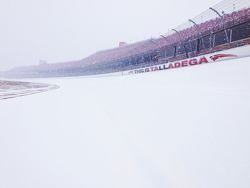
(61, 30)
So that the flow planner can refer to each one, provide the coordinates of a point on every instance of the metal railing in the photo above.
(224, 7)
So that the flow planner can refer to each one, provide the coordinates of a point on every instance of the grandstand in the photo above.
(221, 27)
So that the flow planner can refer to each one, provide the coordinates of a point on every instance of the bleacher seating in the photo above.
(145, 53)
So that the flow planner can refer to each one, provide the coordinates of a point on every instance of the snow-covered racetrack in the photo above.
(185, 128)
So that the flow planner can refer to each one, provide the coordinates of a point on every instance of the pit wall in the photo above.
(235, 53)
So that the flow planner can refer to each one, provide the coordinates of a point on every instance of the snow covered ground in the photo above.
(185, 128)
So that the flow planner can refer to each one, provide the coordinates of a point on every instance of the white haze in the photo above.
(186, 128)
(63, 30)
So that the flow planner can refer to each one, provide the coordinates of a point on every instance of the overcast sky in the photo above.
(64, 30)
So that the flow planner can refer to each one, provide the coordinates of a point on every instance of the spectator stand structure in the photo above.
(225, 26)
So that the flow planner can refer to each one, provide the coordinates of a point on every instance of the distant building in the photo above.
(122, 44)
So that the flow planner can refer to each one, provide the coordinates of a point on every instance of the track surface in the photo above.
(185, 128)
